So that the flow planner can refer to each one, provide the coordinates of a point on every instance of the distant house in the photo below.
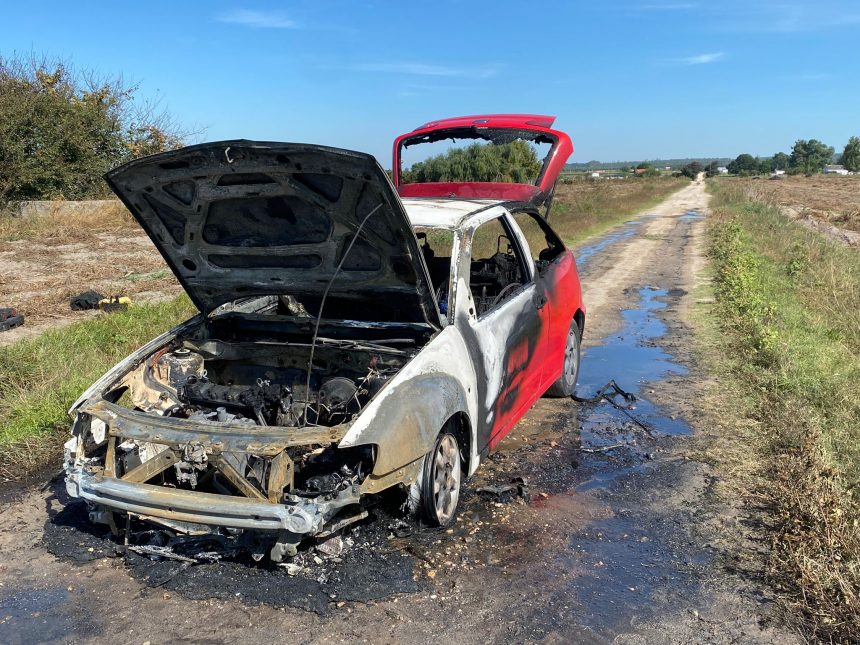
(595, 175)
(667, 167)
(723, 170)
(777, 173)
(834, 169)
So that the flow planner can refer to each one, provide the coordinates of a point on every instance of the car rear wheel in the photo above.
(437, 492)
(566, 383)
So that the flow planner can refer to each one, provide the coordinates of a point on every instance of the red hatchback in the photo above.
(354, 335)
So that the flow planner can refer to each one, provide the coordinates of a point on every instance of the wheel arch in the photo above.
(461, 427)
(579, 318)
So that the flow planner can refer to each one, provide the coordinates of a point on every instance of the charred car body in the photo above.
(349, 340)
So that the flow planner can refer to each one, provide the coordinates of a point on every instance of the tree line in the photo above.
(807, 157)
(61, 130)
(514, 162)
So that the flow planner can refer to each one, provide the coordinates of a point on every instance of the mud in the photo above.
(375, 565)
(619, 537)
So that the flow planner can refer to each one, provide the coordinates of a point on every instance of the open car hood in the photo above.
(235, 219)
(498, 128)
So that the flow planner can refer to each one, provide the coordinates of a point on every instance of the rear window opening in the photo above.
(474, 155)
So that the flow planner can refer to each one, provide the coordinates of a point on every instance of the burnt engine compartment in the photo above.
(253, 370)
(268, 385)
(242, 378)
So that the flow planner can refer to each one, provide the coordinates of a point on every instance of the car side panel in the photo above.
(564, 298)
(404, 419)
(507, 363)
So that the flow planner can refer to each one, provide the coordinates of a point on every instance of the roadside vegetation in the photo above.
(57, 221)
(584, 207)
(41, 377)
(62, 129)
(789, 316)
(514, 162)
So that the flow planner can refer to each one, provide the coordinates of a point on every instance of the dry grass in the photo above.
(48, 258)
(833, 199)
(789, 313)
(585, 207)
(68, 221)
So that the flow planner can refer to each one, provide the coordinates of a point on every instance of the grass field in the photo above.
(48, 258)
(41, 377)
(584, 208)
(789, 342)
(831, 198)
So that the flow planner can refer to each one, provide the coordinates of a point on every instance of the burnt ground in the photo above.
(592, 523)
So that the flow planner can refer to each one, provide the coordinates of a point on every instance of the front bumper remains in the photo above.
(300, 516)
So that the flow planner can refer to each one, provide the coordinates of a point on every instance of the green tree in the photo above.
(851, 155)
(810, 156)
(514, 162)
(765, 165)
(692, 169)
(712, 169)
(779, 161)
(744, 164)
(61, 131)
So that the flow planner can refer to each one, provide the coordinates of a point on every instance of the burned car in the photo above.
(354, 335)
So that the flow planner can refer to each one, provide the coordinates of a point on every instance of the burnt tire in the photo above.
(436, 493)
(566, 383)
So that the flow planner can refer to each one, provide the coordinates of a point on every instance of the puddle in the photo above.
(632, 357)
(34, 615)
(626, 231)
(635, 562)
(692, 214)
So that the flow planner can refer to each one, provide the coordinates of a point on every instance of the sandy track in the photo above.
(624, 545)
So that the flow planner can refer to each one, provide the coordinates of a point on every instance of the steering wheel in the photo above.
(506, 289)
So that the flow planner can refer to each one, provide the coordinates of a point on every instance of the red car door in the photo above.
(504, 329)
(557, 287)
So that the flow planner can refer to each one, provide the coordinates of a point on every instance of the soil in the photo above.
(40, 276)
(592, 523)
(829, 204)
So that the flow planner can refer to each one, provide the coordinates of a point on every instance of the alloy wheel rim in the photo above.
(570, 357)
(446, 478)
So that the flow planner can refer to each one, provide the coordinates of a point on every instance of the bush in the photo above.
(60, 131)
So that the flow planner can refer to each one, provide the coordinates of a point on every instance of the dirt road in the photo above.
(615, 530)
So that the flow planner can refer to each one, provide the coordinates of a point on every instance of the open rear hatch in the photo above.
(236, 219)
(468, 180)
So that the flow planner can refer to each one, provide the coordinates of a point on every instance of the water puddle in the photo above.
(632, 358)
(623, 232)
(692, 214)
(34, 615)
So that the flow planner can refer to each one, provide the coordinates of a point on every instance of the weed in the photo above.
(584, 208)
(42, 377)
(788, 302)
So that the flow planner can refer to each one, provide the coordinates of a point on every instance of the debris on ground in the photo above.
(10, 318)
(114, 303)
(86, 300)
(506, 492)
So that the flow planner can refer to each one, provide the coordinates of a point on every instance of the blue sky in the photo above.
(627, 80)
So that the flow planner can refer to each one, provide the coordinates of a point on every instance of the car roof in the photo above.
(444, 212)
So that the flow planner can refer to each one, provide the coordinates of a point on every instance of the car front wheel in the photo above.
(439, 486)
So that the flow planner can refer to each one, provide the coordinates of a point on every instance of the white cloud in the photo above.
(258, 19)
(425, 69)
(701, 59)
